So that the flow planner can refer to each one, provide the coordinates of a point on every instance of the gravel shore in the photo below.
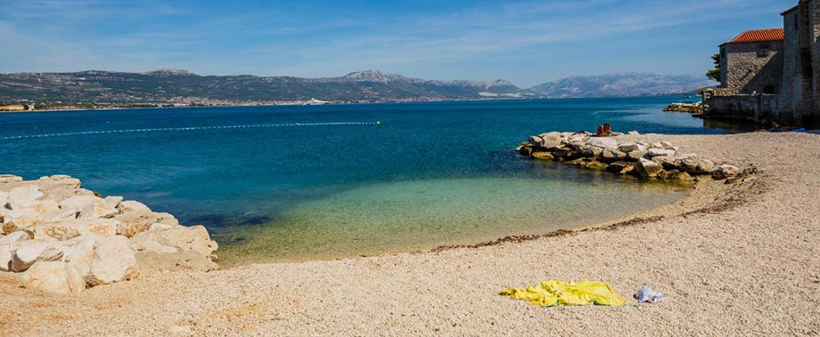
(731, 259)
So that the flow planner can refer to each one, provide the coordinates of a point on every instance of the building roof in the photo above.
(759, 35)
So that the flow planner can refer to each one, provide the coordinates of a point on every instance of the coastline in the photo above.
(734, 258)
(300, 103)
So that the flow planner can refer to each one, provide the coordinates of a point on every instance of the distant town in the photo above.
(179, 88)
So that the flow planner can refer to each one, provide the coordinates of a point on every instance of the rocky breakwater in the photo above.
(659, 160)
(693, 108)
(59, 237)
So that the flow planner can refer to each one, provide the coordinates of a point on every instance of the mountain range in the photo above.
(622, 85)
(174, 85)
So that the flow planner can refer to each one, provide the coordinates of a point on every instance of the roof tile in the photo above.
(760, 35)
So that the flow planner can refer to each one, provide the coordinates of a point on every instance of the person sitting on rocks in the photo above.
(604, 130)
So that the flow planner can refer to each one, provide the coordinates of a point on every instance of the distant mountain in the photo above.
(172, 85)
(622, 85)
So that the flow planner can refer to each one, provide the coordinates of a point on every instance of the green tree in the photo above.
(715, 73)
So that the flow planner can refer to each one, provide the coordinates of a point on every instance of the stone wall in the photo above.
(748, 70)
(813, 9)
(753, 108)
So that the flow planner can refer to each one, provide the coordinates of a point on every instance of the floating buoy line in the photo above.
(193, 128)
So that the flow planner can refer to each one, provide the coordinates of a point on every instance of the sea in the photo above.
(297, 183)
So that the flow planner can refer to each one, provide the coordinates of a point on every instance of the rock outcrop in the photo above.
(59, 237)
(660, 160)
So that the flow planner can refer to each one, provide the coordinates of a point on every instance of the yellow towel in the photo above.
(552, 293)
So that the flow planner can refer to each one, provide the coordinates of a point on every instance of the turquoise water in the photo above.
(336, 184)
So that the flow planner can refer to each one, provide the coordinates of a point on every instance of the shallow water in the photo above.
(337, 184)
(423, 214)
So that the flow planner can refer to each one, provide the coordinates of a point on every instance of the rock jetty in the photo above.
(62, 238)
(658, 160)
(693, 108)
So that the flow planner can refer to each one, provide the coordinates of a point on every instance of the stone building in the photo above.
(773, 75)
(752, 62)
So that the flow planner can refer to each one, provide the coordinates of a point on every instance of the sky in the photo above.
(526, 42)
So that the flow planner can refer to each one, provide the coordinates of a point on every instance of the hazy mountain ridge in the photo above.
(169, 84)
(176, 85)
(622, 85)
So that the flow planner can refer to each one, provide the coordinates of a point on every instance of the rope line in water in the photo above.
(192, 128)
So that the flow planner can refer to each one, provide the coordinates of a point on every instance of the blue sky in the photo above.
(526, 42)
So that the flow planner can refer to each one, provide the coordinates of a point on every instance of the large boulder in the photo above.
(180, 238)
(635, 155)
(5, 248)
(52, 276)
(131, 205)
(620, 167)
(725, 171)
(135, 221)
(69, 229)
(113, 261)
(603, 142)
(23, 196)
(647, 168)
(80, 254)
(630, 146)
(89, 207)
(4, 198)
(656, 152)
(25, 253)
(8, 178)
(610, 156)
(551, 140)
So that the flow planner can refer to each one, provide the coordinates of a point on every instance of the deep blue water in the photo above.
(228, 177)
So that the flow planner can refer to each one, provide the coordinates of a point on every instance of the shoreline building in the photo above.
(772, 75)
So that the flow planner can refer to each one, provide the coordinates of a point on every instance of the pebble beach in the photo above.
(740, 258)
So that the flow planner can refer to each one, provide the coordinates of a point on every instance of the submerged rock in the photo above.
(543, 156)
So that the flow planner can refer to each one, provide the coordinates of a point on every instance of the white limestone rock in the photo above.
(636, 155)
(648, 168)
(134, 222)
(151, 242)
(87, 206)
(5, 248)
(25, 253)
(113, 201)
(608, 143)
(113, 261)
(725, 171)
(131, 205)
(4, 198)
(630, 146)
(180, 238)
(23, 196)
(80, 255)
(50, 276)
(161, 226)
(8, 178)
(550, 140)
(657, 152)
